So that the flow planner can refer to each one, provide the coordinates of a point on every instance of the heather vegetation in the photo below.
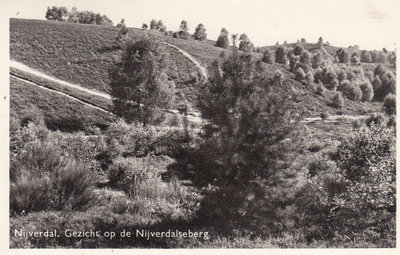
(270, 164)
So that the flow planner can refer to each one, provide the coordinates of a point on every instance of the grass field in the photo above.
(57, 110)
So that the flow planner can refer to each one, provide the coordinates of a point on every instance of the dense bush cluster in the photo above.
(75, 16)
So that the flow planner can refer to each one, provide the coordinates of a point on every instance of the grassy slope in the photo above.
(58, 111)
(85, 52)
(78, 53)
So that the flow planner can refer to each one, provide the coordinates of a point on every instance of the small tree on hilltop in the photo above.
(245, 44)
(200, 33)
(183, 30)
(56, 13)
(365, 56)
(123, 31)
(320, 42)
(145, 26)
(268, 57)
(343, 55)
(280, 55)
(153, 24)
(139, 86)
(223, 40)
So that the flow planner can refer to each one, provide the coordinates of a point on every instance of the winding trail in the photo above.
(192, 116)
(60, 93)
(191, 58)
(27, 69)
(327, 53)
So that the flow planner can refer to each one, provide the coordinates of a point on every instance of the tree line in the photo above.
(75, 16)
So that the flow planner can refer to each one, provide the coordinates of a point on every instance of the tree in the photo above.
(245, 44)
(390, 104)
(183, 30)
(343, 55)
(56, 13)
(200, 33)
(355, 60)
(338, 101)
(139, 86)
(365, 56)
(298, 50)
(123, 31)
(316, 60)
(73, 15)
(320, 42)
(268, 57)
(145, 26)
(160, 26)
(243, 153)
(153, 24)
(223, 40)
(280, 55)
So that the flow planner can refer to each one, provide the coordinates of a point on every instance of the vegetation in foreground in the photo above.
(254, 174)
(249, 177)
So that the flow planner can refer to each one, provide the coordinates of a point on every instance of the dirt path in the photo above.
(334, 118)
(25, 68)
(192, 59)
(61, 93)
(327, 53)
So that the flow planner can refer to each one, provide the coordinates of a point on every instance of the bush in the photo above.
(280, 55)
(352, 92)
(367, 91)
(338, 101)
(41, 180)
(390, 104)
(141, 72)
(300, 75)
(223, 40)
(126, 173)
(268, 57)
(200, 33)
(366, 209)
(366, 148)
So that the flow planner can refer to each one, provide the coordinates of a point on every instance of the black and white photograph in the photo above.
(215, 124)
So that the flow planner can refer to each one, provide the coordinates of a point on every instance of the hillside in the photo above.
(290, 154)
(83, 54)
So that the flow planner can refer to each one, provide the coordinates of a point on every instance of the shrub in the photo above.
(125, 173)
(41, 179)
(300, 74)
(134, 140)
(245, 44)
(390, 104)
(223, 40)
(352, 92)
(388, 82)
(200, 33)
(343, 55)
(278, 78)
(338, 101)
(280, 55)
(141, 72)
(366, 148)
(367, 91)
(183, 30)
(365, 56)
(366, 208)
(316, 60)
(268, 57)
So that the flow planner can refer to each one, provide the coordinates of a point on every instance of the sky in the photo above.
(371, 24)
